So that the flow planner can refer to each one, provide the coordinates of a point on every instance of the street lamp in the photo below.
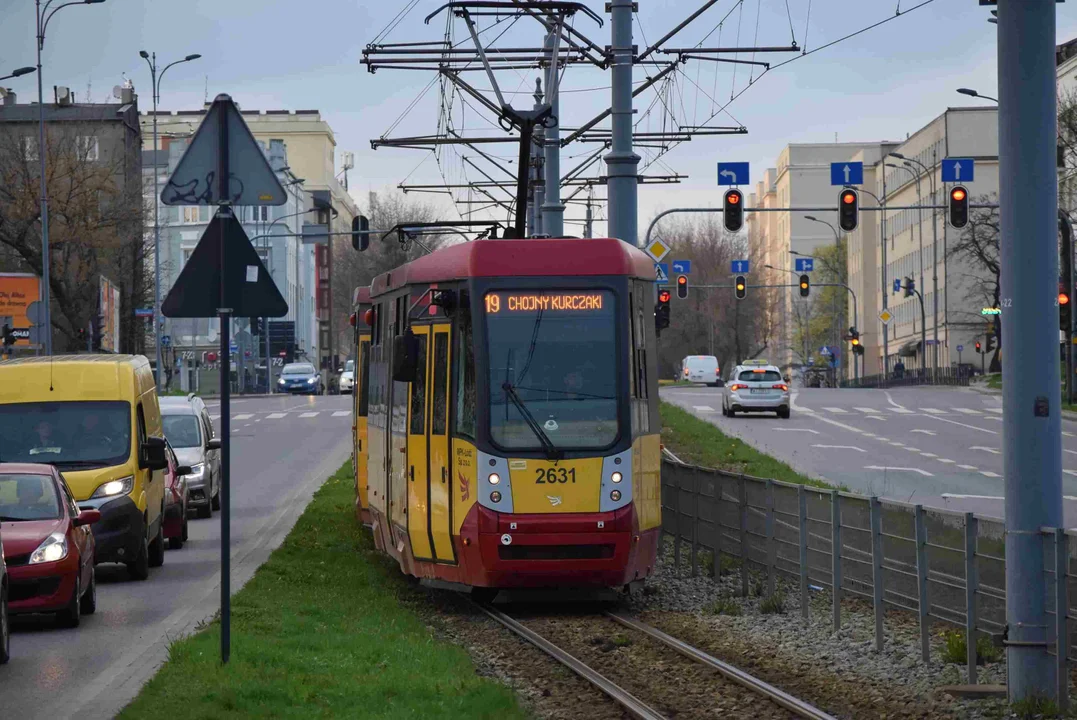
(972, 93)
(155, 92)
(42, 23)
(920, 217)
(20, 72)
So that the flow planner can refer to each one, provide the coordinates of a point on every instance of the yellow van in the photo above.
(96, 418)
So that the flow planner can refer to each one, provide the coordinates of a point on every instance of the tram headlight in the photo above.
(494, 478)
(615, 495)
(616, 477)
(495, 496)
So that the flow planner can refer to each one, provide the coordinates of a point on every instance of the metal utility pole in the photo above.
(622, 164)
(1066, 227)
(553, 210)
(1032, 447)
(538, 194)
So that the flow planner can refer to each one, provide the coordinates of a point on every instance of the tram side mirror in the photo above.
(444, 299)
(405, 355)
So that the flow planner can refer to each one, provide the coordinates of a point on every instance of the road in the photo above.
(282, 448)
(941, 447)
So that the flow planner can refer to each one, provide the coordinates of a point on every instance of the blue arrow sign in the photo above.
(897, 285)
(682, 267)
(847, 173)
(960, 348)
(805, 264)
(958, 170)
(661, 273)
(733, 173)
(740, 266)
(166, 340)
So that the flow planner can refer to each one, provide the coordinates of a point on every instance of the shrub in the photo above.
(955, 649)
(724, 606)
(773, 604)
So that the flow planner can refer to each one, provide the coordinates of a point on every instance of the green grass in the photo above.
(323, 629)
(698, 442)
(994, 381)
(954, 649)
(773, 604)
(724, 606)
(1035, 707)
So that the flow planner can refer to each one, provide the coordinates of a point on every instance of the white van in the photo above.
(701, 369)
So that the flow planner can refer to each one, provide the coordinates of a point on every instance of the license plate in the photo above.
(760, 391)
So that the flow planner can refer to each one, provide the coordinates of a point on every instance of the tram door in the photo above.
(360, 405)
(429, 477)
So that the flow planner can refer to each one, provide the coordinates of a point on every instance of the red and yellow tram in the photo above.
(506, 414)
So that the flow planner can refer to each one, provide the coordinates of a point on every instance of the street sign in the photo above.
(824, 350)
(897, 284)
(739, 266)
(733, 173)
(35, 313)
(960, 348)
(886, 316)
(682, 267)
(804, 264)
(847, 173)
(251, 181)
(958, 170)
(657, 250)
(932, 342)
(166, 340)
(144, 312)
(233, 348)
(661, 273)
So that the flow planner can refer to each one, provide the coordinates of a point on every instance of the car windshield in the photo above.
(89, 433)
(298, 369)
(182, 430)
(349, 366)
(28, 497)
(552, 366)
(760, 376)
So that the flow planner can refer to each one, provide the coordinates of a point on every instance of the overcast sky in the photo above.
(271, 54)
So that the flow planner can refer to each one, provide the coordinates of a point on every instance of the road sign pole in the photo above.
(1032, 446)
(622, 163)
(225, 315)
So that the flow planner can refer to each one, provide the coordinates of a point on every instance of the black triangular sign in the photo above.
(249, 291)
(251, 181)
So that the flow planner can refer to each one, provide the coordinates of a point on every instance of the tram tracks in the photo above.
(657, 675)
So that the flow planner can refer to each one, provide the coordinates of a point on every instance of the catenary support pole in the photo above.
(1028, 215)
(622, 164)
(553, 210)
(225, 314)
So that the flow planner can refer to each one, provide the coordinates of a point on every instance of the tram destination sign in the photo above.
(569, 301)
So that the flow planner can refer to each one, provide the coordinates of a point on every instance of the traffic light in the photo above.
(1064, 309)
(959, 206)
(360, 233)
(979, 349)
(682, 286)
(805, 285)
(990, 343)
(848, 209)
(255, 326)
(741, 287)
(910, 287)
(661, 311)
(733, 210)
(854, 337)
(8, 335)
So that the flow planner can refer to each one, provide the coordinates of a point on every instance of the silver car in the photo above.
(190, 432)
(756, 386)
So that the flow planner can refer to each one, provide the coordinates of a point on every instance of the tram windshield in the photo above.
(553, 369)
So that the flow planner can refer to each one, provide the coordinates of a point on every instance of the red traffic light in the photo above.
(1063, 298)
(958, 194)
(733, 197)
(682, 280)
(848, 210)
(977, 347)
(848, 197)
(663, 296)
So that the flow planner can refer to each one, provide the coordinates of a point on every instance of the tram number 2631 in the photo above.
(555, 475)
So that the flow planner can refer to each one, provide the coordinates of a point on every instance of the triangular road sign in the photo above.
(249, 291)
(251, 179)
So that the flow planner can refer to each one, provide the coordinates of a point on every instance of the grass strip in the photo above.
(323, 629)
(698, 442)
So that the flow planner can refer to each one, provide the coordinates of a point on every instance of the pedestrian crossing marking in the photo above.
(276, 416)
(243, 416)
(867, 410)
(934, 411)
(994, 410)
(944, 460)
(1070, 472)
(345, 413)
(988, 473)
(968, 467)
(968, 411)
(902, 411)
(837, 410)
(309, 415)
(697, 408)
(930, 455)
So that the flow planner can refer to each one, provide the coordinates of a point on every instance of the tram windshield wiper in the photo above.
(552, 452)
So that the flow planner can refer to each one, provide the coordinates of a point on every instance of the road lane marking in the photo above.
(968, 467)
(808, 430)
(955, 422)
(944, 460)
(967, 411)
(243, 416)
(842, 425)
(880, 438)
(867, 410)
(276, 416)
(994, 410)
(988, 473)
(840, 447)
(932, 433)
(912, 449)
(308, 415)
(934, 411)
(1070, 472)
(971, 497)
(697, 408)
(898, 444)
(930, 455)
(1071, 452)
(345, 413)
(1068, 434)
(890, 400)
(836, 410)
(993, 451)
(902, 411)
(875, 417)
(992, 417)
(899, 469)
(867, 434)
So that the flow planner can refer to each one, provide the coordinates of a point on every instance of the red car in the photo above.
(176, 498)
(47, 543)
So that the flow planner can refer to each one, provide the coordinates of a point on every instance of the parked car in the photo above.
(5, 625)
(300, 379)
(347, 378)
(190, 433)
(176, 499)
(48, 545)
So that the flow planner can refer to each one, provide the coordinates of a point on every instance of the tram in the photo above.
(506, 414)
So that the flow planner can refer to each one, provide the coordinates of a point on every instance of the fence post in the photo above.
(677, 528)
(743, 536)
(970, 595)
(1062, 605)
(921, 582)
(717, 514)
(802, 497)
(877, 569)
(772, 551)
(835, 555)
(695, 523)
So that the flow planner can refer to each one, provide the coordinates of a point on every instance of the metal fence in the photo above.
(941, 565)
(957, 377)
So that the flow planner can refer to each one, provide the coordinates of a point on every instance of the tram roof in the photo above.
(520, 258)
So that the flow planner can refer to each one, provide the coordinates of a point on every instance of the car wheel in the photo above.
(184, 535)
(204, 512)
(215, 503)
(89, 598)
(784, 414)
(5, 629)
(157, 547)
(71, 616)
(139, 568)
(175, 543)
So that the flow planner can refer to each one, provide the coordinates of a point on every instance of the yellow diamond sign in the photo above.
(657, 250)
(886, 317)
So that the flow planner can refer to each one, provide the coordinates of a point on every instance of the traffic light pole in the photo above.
(1067, 247)
(1032, 447)
(923, 322)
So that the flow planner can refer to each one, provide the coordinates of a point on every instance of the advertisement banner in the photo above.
(108, 310)
(17, 291)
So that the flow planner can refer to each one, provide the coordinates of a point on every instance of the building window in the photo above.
(86, 148)
(29, 149)
(187, 252)
(190, 213)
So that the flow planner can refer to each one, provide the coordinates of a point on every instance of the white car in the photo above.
(701, 369)
(756, 386)
(347, 378)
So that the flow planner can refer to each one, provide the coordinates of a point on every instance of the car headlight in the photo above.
(281, 381)
(53, 548)
(616, 477)
(197, 470)
(311, 381)
(112, 488)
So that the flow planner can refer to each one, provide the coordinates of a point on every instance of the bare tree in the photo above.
(978, 247)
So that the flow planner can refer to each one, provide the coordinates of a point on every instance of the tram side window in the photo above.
(465, 378)
(439, 421)
(364, 379)
(418, 390)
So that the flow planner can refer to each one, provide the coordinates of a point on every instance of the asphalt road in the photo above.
(282, 448)
(941, 447)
